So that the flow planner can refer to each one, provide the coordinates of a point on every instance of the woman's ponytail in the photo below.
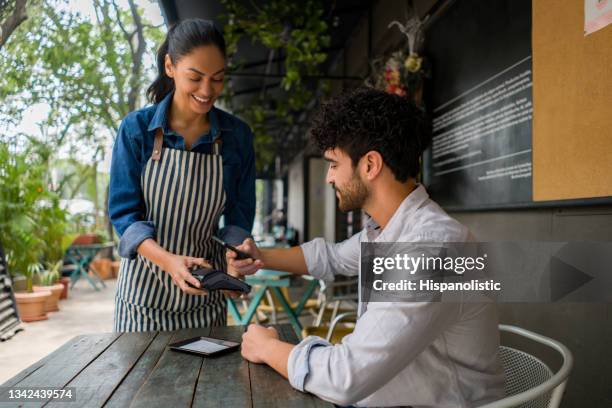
(163, 83)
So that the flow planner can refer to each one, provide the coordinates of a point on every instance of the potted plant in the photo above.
(87, 239)
(103, 262)
(31, 305)
(21, 188)
(103, 267)
(49, 281)
(404, 72)
(22, 259)
(298, 32)
(52, 221)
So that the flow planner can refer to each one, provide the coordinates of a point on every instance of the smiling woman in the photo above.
(177, 166)
(198, 79)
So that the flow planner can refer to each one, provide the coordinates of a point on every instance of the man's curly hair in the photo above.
(367, 119)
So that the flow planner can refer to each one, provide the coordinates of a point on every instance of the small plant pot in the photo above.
(51, 305)
(31, 306)
(86, 239)
(115, 268)
(103, 267)
(65, 281)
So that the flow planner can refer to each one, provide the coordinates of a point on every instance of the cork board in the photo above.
(572, 103)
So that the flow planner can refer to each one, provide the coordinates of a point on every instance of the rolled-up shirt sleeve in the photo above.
(298, 364)
(126, 206)
(133, 236)
(387, 337)
(325, 259)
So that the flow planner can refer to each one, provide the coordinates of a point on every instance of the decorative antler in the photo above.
(413, 30)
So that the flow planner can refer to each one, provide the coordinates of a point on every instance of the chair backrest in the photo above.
(529, 382)
(9, 316)
(524, 372)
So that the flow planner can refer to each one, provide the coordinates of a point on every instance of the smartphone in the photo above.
(205, 346)
(239, 254)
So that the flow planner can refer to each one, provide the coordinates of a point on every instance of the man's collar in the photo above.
(410, 204)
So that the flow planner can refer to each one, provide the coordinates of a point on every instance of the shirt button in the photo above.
(156, 151)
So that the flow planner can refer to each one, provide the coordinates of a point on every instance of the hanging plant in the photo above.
(298, 31)
(404, 72)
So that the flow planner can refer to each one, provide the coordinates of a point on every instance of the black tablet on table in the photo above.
(205, 346)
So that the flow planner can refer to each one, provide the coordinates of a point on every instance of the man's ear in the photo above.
(373, 163)
(169, 67)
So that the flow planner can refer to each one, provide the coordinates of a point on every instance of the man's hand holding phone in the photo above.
(241, 267)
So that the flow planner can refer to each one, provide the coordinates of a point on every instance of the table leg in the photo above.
(295, 323)
(248, 314)
(97, 276)
(76, 273)
(91, 281)
(74, 277)
(81, 263)
(309, 289)
(231, 305)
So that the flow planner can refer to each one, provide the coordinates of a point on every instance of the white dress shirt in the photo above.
(402, 354)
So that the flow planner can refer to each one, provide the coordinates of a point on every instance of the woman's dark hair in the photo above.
(181, 39)
(368, 119)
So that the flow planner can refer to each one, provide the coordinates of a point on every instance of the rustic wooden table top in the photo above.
(139, 370)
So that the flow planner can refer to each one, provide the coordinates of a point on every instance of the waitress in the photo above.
(177, 167)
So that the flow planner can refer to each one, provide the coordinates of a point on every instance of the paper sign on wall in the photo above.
(597, 15)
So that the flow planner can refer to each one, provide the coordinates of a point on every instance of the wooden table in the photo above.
(81, 256)
(138, 370)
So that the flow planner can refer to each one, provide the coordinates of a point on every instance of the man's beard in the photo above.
(352, 196)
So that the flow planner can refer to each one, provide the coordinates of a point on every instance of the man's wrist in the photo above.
(267, 349)
(263, 256)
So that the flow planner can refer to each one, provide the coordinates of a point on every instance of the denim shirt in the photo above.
(132, 150)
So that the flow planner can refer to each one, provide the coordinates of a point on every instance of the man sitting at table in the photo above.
(423, 354)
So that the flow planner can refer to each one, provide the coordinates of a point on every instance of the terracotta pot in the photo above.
(86, 239)
(31, 306)
(103, 267)
(115, 268)
(65, 281)
(51, 305)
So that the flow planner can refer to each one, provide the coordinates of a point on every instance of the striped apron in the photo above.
(184, 197)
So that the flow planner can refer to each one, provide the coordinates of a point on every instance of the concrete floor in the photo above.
(85, 311)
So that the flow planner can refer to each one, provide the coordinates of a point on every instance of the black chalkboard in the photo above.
(481, 102)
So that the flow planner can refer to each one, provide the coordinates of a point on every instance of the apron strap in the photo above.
(217, 146)
(159, 141)
(157, 145)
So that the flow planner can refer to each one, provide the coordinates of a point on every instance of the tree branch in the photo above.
(136, 73)
(18, 16)
(126, 35)
(110, 47)
(153, 26)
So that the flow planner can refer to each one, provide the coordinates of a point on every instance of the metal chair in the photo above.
(338, 319)
(343, 289)
(529, 382)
